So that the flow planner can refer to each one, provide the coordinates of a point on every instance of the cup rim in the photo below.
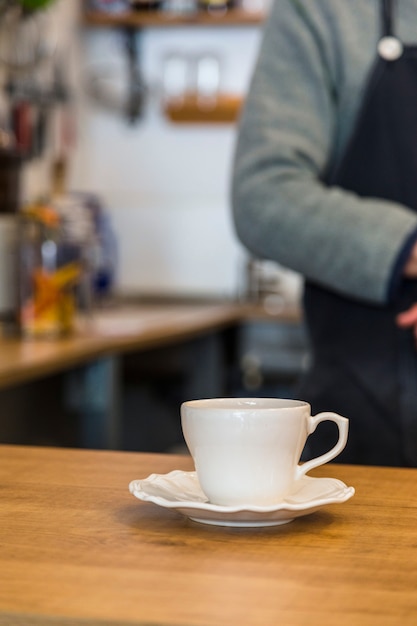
(245, 404)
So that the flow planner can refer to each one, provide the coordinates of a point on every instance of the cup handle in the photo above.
(343, 426)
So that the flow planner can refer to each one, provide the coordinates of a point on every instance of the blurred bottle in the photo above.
(145, 5)
(54, 274)
(179, 7)
(217, 6)
(84, 215)
(108, 6)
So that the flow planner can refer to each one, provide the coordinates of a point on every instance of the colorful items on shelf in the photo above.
(52, 274)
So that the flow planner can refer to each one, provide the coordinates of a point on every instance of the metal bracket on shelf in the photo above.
(136, 87)
(131, 104)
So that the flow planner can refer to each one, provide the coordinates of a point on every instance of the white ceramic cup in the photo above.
(246, 451)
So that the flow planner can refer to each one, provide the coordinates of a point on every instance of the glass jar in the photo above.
(53, 275)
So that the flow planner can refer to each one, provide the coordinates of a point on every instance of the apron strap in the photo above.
(387, 18)
(390, 47)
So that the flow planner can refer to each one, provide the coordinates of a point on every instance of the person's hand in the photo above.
(408, 319)
(410, 268)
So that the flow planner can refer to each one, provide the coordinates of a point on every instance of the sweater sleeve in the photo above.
(282, 210)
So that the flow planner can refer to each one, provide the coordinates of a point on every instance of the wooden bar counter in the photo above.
(76, 548)
(120, 330)
(112, 332)
(91, 359)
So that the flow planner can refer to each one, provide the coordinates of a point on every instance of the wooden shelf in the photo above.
(227, 108)
(192, 110)
(159, 19)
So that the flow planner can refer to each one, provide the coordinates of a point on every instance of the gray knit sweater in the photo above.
(305, 93)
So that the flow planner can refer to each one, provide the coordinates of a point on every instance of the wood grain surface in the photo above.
(121, 330)
(75, 545)
(161, 19)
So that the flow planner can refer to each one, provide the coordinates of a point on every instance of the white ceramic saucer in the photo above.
(181, 491)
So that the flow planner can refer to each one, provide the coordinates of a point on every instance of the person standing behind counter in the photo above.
(325, 183)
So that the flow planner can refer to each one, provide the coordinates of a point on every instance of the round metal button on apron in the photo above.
(390, 48)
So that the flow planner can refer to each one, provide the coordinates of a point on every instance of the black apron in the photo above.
(363, 365)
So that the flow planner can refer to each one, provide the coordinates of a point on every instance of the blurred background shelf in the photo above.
(160, 19)
(193, 109)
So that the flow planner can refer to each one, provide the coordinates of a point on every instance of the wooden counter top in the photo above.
(77, 549)
(115, 331)
(111, 332)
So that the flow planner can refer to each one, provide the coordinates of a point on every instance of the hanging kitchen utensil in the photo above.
(128, 98)
(22, 46)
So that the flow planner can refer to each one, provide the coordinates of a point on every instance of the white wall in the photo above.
(166, 186)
